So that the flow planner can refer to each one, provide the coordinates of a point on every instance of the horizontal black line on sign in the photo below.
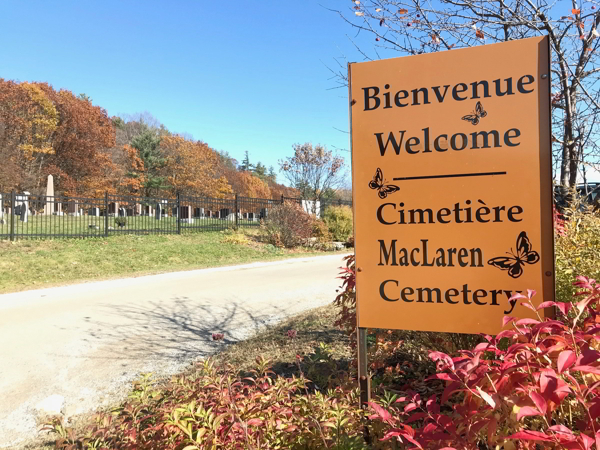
(453, 175)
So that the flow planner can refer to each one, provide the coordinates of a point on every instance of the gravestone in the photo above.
(129, 212)
(122, 212)
(250, 216)
(185, 212)
(22, 203)
(49, 205)
(224, 212)
(94, 212)
(264, 213)
(113, 208)
(158, 211)
(198, 212)
(73, 208)
(138, 209)
(24, 211)
(231, 217)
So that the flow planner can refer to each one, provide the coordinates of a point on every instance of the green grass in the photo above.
(31, 263)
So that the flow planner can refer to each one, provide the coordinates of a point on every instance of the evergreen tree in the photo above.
(246, 166)
(272, 176)
(260, 170)
(147, 144)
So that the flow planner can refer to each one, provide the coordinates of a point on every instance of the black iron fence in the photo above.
(40, 216)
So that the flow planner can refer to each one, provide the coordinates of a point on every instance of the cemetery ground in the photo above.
(31, 264)
(77, 348)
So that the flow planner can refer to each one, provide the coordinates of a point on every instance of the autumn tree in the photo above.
(411, 27)
(191, 168)
(313, 170)
(79, 162)
(253, 186)
(28, 122)
(133, 178)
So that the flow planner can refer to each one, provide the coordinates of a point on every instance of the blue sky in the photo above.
(238, 75)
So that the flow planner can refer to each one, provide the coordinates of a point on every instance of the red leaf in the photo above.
(491, 430)
(587, 441)
(583, 303)
(528, 322)
(415, 417)
(565, 360)
(381, 412)
(564, 307)
(442, 376)
(479, 34)
(560, 429)
(439, 356)
(450, 389)
(545, 305)
(539, 402)
(410, 407)
(587, 369)
(530, 435)
(507, 319)
(527, 411)
(576, 11)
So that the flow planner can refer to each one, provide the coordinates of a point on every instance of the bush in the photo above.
(541, 387)
(120, 221)
(214, 408)
(339, 220)
(577, 247)
(320, 231)
(287, 225)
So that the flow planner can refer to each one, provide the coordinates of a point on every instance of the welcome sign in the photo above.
(451, 162)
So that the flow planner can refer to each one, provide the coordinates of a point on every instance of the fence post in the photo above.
(282, 198)
(12, 215)
(236, 211)
(106, 214)
(177, 203)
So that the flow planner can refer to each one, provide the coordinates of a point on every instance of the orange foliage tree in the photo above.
(28, 121)
(80, 143)
(252, 186)
(191, 168)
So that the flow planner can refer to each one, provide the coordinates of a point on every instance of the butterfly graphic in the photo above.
(515, 263)
(379, 184)
(479, 113)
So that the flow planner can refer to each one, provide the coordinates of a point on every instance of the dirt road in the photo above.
(78, 347)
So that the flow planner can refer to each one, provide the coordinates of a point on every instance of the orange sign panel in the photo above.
(451, 162)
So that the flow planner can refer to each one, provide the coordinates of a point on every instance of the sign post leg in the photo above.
(363, 368)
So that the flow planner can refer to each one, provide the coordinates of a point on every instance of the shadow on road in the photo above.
(179, 328)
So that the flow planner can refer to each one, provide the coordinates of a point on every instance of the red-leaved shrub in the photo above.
(287, 225)
(541, 387)
(212, 409)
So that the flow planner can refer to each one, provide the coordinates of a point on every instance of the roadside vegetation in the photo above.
(30, 264)
(533, 386)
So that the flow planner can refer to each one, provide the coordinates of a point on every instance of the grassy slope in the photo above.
(31, 264)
